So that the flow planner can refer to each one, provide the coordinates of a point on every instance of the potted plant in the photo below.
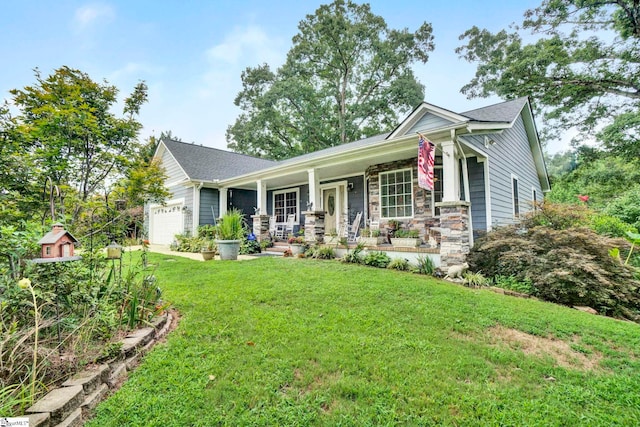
(406, 239)
(296, 245)
(371, 238)
(208, 250)
(230, 233)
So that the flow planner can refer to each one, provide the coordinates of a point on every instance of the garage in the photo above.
(166, 222)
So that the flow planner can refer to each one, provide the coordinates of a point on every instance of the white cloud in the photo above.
(87, 15)
(251, 43)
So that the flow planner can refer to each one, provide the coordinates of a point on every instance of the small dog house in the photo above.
(58, 243)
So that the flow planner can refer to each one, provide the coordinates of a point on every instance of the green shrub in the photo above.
(324, 252)
(569, 266)
(187, 243)
(354, 256)
(558, 216)
(248, 247)
(610, 225)
(474, 280)
(511, 283)
(400, 264)
(425, 265)
(376, 259)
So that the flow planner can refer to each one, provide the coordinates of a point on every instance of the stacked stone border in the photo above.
(72, 403)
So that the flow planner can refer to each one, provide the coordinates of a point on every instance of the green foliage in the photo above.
(425, 265)
(248, 247)
(347, 76)
(474, 280)
(400, 264)
(231, 225)
(17, 243)
(580, 67)
(609, 225)
(412, 234)
(570, 266)
(187, 243)
(376, 259)
(558, 216)
(324, 252)
(513, 284)
(626, 205)
(354, 256)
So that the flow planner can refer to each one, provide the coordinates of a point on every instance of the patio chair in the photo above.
(288, 227)
(354, 227)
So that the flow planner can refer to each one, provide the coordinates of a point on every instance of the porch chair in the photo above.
(275, 230)
(288, 228)
(354, 227)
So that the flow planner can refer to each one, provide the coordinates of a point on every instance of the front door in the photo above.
(329, 202)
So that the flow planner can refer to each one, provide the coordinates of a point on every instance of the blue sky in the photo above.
(191, 53)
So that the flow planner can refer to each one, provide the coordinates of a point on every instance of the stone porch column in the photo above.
(261, 227)
(313, 226)
(454, 232)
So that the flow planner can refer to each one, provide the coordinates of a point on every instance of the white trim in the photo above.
(419, 112)
(173, 157)
(289, 190)
(513, 199)
(184, 180)
(179, 200)
(351, 175)
(487, 192)
(410, 169)
(433, 192)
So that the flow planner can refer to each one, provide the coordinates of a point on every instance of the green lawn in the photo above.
(281, 341)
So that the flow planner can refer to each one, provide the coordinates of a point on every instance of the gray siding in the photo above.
(245, 200)
(209, 197)
(510, 154)
(429, 121)
(476, 193)
(171, 167)
(355, 197)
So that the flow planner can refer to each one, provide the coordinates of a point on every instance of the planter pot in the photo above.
(208, 255)
(228, 249)
(296, 248)
(371, 241)
(405, 242)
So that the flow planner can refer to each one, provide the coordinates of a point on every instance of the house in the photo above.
(57, 243)
(489, 170)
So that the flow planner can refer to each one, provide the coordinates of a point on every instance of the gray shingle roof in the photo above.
(206, 163)
(503, 112)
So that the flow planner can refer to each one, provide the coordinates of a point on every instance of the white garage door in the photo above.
(166, 222)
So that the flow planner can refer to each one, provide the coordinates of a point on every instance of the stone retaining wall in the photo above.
(73, 403)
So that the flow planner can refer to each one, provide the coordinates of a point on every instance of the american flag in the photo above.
(426, 159)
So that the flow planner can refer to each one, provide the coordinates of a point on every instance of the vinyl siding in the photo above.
(209, 197)
(429, 121)
(477, 194)
(510, 154)
(171, 167)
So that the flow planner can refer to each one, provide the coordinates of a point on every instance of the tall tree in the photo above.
(582, 68)
(347, 76)
(76, 140)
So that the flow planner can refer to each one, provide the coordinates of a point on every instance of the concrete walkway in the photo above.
(164, 249)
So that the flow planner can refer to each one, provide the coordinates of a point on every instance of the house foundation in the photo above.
(313, 226)
(454, 232)
(261, 227)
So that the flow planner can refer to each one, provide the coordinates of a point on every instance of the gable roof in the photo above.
(53, 236)
(208, 164)
(506, 111)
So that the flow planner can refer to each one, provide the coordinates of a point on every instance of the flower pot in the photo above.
(296, 248)
(228, 249)
(405, 242)
(208, 255)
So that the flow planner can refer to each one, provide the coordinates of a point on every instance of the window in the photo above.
(534, 199)
(48, 250)
(516, 196)
(437, 189)
(285, 203)
(396, 194)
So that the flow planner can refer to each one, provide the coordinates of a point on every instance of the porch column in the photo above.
(261, 227)
(314, 191)
(454, 233)
(223, 201)
(262, 197)
(450, 175)
(313, 226)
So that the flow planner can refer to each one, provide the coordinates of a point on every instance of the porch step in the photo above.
(278, 248)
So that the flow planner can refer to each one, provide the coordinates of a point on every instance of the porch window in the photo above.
(396, 194)
(285, 203)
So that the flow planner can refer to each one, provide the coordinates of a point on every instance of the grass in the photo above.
(279, 341)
